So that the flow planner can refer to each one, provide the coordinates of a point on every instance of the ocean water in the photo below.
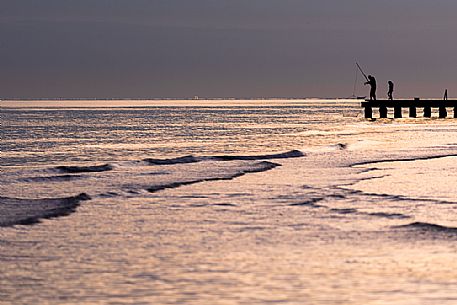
(225, 202)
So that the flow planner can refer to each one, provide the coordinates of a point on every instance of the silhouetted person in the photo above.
(445, 95)
(391, 90)
(372, 82)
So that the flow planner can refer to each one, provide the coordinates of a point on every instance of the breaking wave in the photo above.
(194, 159)
(428, 227)
(179, 160)
(407, 159)
(255, 168)
(20, 211)
(84, 169)
(130, 179)
(289, 154)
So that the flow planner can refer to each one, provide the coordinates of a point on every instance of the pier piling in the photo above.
(383, 112)
(427, 112)
(368, 112)
(412, 112)
(397, 112)
(442, 112)
(398, 105)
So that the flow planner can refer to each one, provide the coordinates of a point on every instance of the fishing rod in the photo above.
(362, 71)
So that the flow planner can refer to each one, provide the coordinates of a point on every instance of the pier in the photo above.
(412, 105)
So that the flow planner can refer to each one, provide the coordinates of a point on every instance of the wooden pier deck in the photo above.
(412, 105)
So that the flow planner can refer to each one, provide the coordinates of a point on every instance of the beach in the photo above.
(225, 202)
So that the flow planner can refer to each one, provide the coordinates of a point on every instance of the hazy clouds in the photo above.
(290, 48)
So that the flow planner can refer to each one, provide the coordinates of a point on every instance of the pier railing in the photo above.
(412, 105)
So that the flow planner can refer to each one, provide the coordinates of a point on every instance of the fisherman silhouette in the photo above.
(372, 82)
(391, 90)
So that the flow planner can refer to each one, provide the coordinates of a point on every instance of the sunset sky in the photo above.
(231, 48)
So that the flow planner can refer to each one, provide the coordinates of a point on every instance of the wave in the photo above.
(408, 159)
(194, 159)
(255, 168)
(20, 211)
(389, 215)
(84, 169)
(178, 160)
(286, 155)
(339, 146)
(391, 196)
(52, 178)
(428, 227)
(344, 211)
(310, 203)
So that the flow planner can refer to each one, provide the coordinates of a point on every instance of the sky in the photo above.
(225, 48)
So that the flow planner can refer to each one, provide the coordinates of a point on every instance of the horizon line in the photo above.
(195, 98)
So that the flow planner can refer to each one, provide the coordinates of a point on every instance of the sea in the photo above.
(224, 202)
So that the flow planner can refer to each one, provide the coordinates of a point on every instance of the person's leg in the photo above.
(373, 94)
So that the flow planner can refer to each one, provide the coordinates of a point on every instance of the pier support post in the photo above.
(368, 112)
(443, 108)
(443, 112)
(427, 112)
(397, 112)
(383, 112)
(412, 112)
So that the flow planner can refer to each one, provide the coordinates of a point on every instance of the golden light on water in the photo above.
(228, 204)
